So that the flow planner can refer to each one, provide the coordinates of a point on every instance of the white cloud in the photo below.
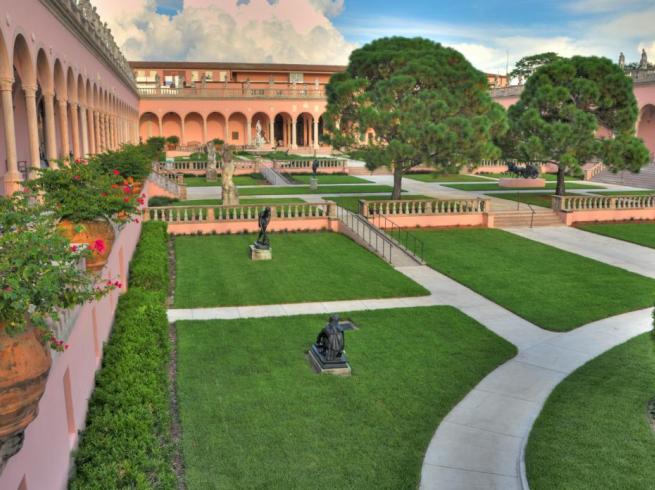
(285, 31)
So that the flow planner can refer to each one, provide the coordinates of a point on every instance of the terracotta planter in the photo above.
(24, 366)
(89, 232)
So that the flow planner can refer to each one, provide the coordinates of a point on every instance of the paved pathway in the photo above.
(615, 252)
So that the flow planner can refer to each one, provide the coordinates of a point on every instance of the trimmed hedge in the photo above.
(127, 442)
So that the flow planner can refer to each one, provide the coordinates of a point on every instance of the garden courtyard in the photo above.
(510, 314)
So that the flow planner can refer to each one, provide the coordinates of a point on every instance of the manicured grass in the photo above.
(218, 202)
(548, 177)
(201, 181)
(254, 415)
(352, 202)
(639, 233)
(536, 199)
(329, 179)
(495, 187)
(593, 431)
(554, 289)
(322, 266)
(625, 193)
(301, 189)
(434, 177)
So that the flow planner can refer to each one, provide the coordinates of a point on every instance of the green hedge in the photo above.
(127, 442)
(149, 268)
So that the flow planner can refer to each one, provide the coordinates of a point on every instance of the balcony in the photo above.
(235, 91)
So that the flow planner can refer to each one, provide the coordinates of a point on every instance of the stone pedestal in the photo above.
(212, 174)
(260, 253)
(313, 183)
(338, 367)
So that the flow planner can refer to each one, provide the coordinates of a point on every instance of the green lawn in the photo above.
(329, 179)
(639, 233)
(593, 431)
(322, 266)
(352, 202)
(301, 189)
(536, 199)
(218, 202)
(254, 415)
(548, 177)
(434, 177)
(201, 181)
(554, 289)
(495, 187)
(625, 193)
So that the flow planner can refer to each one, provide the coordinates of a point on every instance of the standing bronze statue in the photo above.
(263, 243)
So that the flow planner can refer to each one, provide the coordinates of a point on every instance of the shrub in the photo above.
(127, 442)
(161, 201)
(133, 161)
(155, 145)
(173, 140)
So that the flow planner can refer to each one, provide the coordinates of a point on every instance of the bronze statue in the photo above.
(315, 167)
(263, 242)
(330, 342)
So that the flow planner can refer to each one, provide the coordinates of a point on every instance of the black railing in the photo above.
(410, 242)
(382, 244)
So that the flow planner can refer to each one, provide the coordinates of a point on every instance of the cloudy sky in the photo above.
(326, 31)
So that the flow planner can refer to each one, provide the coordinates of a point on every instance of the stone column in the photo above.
(204, 131)
(161, 127)
(182, 139)
(248, 131)
(294, 133)
(271, 132)
(96, 129)
(63, 126)
(32, 128)
(50, 135)
(85, 131)
(92, 129)
(101, 132)
(11, 180)
(76, 130)
(316, 145)
(227, 131)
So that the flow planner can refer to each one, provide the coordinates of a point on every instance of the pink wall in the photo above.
(572, 217)
(44, 460)
(278, 224)
(439, 221)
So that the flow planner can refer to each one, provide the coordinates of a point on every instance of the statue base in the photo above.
(212, 174)
(313, 183)
(338, 367)
(260, 253)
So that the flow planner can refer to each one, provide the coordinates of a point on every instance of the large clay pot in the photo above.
(24, 366)
(88, 232)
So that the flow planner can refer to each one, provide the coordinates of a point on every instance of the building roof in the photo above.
(210, 65)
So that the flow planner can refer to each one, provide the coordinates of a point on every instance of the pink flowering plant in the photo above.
(40, 272)
(84, 191)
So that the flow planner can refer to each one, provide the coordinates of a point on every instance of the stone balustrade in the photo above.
(591, 203)
(237, 91)
(424, 207)
(168, 181)
(245, 212)
(306, 164)
(199, 166)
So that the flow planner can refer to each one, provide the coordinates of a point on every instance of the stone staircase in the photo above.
(275, 177)
(376, 240)
(645, 178)
(524, 218)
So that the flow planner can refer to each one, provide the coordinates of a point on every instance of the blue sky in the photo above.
(485, 31)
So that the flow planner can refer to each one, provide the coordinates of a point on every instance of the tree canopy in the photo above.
(561, 110)
(425, 103)
(527, 65)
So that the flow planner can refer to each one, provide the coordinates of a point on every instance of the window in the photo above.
(235, 135)
(222, 76)
(194, 76)
(209, 76)
(295, 77)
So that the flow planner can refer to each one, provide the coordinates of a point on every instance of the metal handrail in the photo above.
(410, 242)
(350, 219)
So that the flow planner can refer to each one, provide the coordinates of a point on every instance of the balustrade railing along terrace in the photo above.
(307, 163)
(238, 91)
(245, 212)
(584, 203)
(424, 207)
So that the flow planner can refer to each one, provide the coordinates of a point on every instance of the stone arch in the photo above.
(282, 124)
(148, 126)
(194, 129)
(304, 129)
(216, 126)
(6, 75)
(265, 122)
(45, 83)
(23, 61)
(646, 127)
(24, 77)
(171, 125)
(237, 123)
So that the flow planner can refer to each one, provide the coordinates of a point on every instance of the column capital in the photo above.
(30, 90)
(6, 84)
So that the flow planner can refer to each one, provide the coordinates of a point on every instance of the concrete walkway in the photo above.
(615, 252)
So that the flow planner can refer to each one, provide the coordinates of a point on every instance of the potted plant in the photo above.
(88, 201)
(40, 275)
(172, 141)
(134, 163)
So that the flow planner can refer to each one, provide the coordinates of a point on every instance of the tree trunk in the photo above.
(397, 182)
(561, 189)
